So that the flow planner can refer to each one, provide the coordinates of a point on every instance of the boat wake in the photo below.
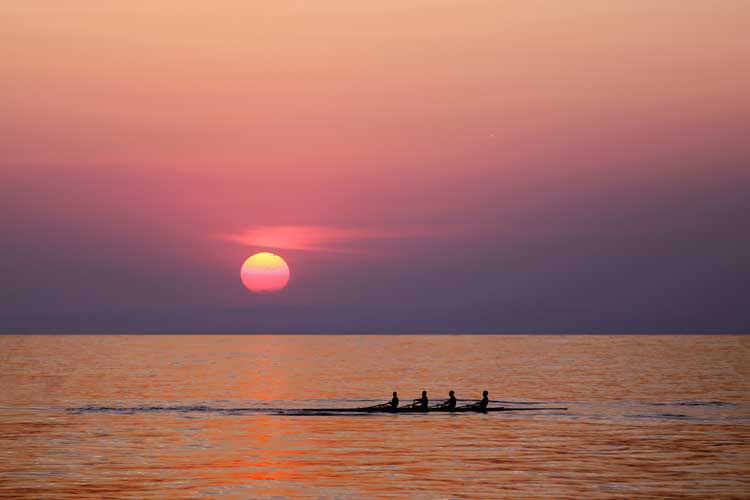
(704, 411)
(130, 410)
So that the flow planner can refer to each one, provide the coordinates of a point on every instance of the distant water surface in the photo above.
(193, 417)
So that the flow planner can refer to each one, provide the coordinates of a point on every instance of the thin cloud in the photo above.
(325, 238)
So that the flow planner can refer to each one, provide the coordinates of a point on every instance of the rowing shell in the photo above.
(419, 410)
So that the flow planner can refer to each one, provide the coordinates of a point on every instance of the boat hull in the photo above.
(419, 410)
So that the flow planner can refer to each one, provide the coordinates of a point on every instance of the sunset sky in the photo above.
(422, 166)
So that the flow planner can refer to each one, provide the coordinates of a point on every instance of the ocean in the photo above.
(197, 416)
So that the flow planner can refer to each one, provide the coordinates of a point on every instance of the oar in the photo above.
(502, 402)
(510, 408)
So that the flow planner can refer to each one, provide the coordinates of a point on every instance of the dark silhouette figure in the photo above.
(422, 402)
(392, 404)
(451, 403)
(482, 405)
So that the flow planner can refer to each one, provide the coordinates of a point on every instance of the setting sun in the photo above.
(264, 272)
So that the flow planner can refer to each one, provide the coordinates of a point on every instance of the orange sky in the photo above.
(328, 84)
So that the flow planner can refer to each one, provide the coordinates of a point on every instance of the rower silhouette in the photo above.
(481, 405)
(450, 403)
(422, 402)
(392, 404)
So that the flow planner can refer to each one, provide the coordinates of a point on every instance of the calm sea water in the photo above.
(160, 417)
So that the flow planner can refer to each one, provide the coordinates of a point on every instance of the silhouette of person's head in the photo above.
(424, 393)
(451, 393)
(394, 394)
(485, 393)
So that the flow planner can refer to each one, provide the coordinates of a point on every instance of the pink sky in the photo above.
(176, 136)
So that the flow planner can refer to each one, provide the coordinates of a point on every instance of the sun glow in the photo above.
(264, 272)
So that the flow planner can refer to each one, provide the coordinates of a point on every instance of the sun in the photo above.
(264, 272)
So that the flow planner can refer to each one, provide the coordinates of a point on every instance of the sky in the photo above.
(504, 166)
